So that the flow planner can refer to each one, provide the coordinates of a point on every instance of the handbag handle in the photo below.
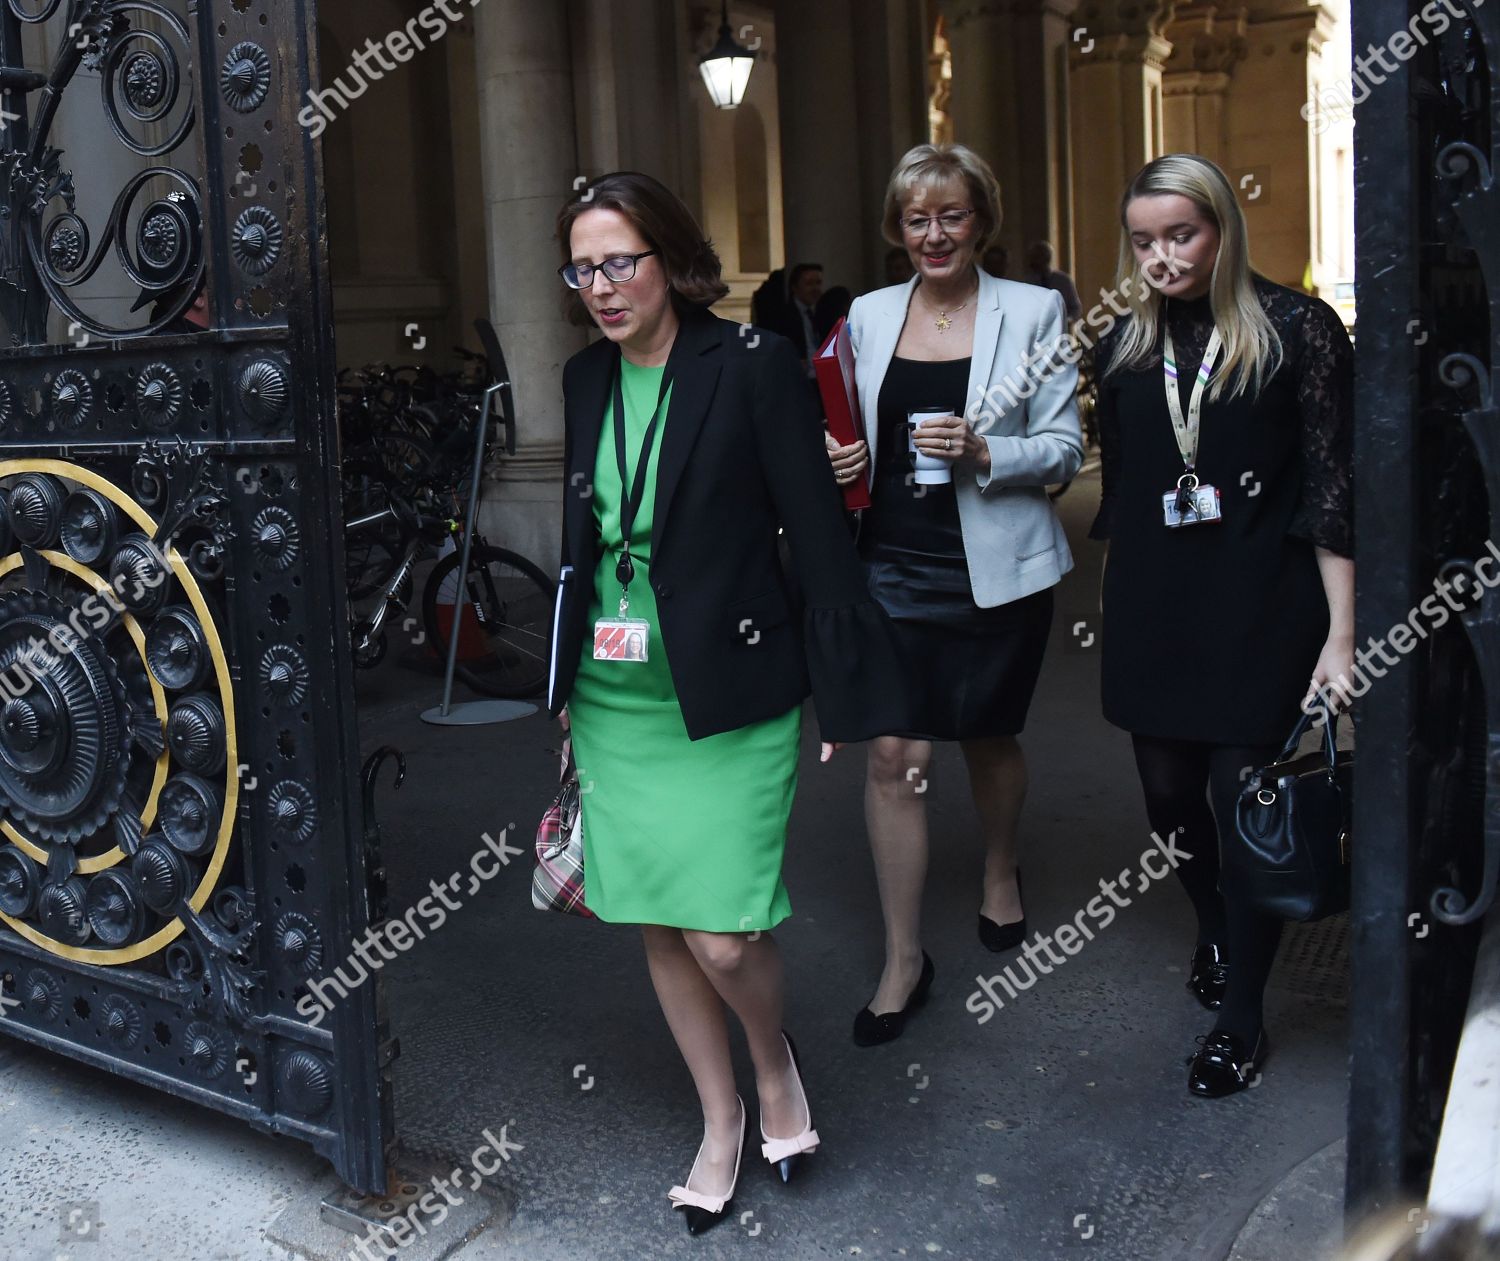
(1330, 718)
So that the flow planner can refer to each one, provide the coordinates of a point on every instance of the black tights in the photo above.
(1179, 778)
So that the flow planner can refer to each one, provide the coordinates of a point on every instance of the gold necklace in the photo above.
(943, 323)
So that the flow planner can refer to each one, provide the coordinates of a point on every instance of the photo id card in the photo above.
(621, 639)
(1203, 507)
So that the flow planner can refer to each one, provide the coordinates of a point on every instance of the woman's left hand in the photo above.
(951, 439)
(1334, 674)
(830, 747)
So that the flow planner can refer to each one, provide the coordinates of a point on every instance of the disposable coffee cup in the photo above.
(931, 471)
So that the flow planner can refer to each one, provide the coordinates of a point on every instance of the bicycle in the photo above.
(507, 650)
(508, 645)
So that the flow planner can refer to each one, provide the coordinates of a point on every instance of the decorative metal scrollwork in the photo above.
(141, 51)
(118, 753)
(143, 67)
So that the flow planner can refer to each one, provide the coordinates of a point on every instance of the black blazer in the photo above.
(741, 453)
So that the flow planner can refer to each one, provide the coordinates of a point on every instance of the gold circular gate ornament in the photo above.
(218, 687)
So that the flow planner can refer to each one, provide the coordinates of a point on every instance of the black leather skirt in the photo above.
(971, 672)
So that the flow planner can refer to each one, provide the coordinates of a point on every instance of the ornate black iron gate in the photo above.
(182, 850)
(1428, 789)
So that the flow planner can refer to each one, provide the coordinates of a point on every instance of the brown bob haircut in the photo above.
(689, 258)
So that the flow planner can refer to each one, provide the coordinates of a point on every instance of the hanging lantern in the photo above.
(726, 67)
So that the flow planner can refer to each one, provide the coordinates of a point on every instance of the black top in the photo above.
(922, 519)
(1211, 631)
(742, 454)
(911, 539)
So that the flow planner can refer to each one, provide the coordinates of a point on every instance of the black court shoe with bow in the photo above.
(1222, 1066)
(872, 1030)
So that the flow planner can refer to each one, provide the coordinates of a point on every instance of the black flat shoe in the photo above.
(996, 936)
(872, 1030)
(1208, 975)
(1222, 1067)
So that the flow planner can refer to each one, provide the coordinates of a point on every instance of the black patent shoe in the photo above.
(1208, 975)
(703, 1212)
(1223, 1067)
(996, 936)
(872, 1030)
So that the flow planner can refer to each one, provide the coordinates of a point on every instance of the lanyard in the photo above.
(1186, 430)
(632, 493)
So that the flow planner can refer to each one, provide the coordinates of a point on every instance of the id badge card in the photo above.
(1203, 506)
(622, 639)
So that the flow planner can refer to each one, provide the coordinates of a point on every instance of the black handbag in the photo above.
(1293, 820)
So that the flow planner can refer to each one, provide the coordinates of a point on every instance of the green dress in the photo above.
(687, 833)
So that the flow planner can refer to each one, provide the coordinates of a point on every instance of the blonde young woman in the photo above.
(1215, 630)
(965, 569)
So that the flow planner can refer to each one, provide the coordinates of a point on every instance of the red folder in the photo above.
(835, 368)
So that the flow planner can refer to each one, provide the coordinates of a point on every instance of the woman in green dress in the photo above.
(682, 657)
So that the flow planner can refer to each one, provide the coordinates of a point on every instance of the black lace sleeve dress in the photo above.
(1211, 631)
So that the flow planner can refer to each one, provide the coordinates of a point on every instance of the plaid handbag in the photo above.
(557, 882)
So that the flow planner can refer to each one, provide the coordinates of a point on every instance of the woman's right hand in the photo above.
(848, 462)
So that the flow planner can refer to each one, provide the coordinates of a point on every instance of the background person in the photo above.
(694, 448)
(966, 569)
(1039, 271)
(1215, 632)
(898, 269)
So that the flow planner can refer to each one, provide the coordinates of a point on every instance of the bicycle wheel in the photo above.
(505, 634)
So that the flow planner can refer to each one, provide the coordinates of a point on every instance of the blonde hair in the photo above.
(940, 164)
(1252, 348)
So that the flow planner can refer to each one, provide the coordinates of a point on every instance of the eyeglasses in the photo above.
(617, 270)
(917, 225)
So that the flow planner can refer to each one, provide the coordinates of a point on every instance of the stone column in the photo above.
(529, 152)
(1009, 104)
(1116, 74)
(1208, 41)
(822, 204)
(891, 59)
(1271, 146)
